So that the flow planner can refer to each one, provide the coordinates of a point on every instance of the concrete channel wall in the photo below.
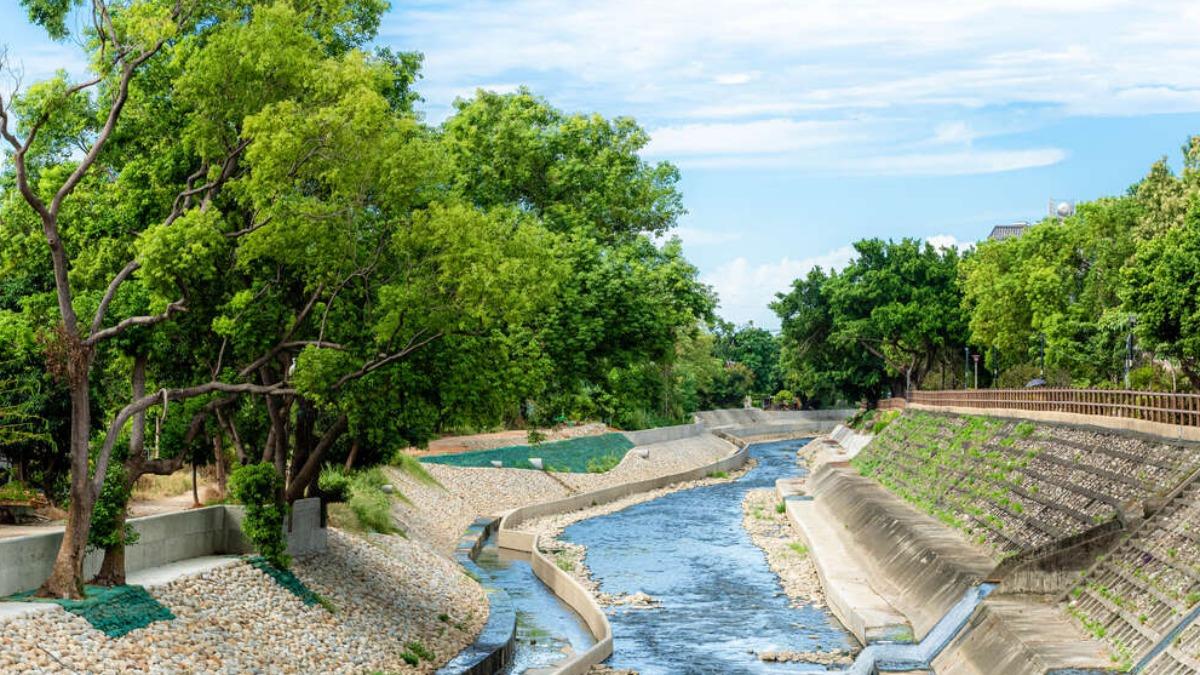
(25, 562)
(664, 434)
(563, 584)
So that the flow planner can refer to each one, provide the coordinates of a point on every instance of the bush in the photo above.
(603, 464)
(335, 484)
(114, 496)
(260, 488)
(535, 437)
(16, 491)
(785, 397)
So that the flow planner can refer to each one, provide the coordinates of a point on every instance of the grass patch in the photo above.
(160, 487)
(781, 507)
(798, 548)
(564, 562)
(369, 503)
(572, 455)
(603, 464)
(411, 466)
(718, 474)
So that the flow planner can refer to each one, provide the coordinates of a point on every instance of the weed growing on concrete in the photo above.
(781, 507)
(798, 548)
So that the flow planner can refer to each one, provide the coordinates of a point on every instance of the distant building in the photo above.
(1002, 232)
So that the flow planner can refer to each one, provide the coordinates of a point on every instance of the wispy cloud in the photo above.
(746, 288)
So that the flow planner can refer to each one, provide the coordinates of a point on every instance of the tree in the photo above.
(754, 347)
(820, 370)
(1163, 290)
(1056, 288)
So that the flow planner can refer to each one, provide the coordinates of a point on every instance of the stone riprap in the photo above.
(1016, 485)
(441, 513)
(388, 592)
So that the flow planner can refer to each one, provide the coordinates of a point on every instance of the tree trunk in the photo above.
(112, 568)
(66, 577)
(219, 458)
(353, 454)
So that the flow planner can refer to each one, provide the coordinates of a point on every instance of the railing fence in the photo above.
(1149, 406)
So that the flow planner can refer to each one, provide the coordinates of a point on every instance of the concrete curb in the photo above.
(564, 585)
(492, 649)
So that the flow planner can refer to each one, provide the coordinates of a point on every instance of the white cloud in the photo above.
(771, 136)
(693, 236)
(735, 78)
(948, 241)
(966, 162)
(745, 289)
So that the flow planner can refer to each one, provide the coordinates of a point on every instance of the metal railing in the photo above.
(1163, 408)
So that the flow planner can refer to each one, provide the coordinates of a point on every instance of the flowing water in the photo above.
(719, 600)
(547, 628)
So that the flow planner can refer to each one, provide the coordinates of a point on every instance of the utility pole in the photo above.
(976, 357)
(966, 367)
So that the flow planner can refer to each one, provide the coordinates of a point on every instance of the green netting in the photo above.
(114, 610)
(573, 455)
(286, 579)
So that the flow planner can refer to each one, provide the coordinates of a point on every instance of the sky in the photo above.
(800, 127)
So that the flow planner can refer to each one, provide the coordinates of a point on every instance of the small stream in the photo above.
(547, 629)
(719, 600)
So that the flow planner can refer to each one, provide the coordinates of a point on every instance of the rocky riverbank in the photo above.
(391, 597)
(770, 530)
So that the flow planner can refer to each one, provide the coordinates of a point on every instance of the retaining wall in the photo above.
(563, 584)
(25, 562)
(664, 434)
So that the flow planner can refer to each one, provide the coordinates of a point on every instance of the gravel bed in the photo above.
(786, 555)
(386, 592)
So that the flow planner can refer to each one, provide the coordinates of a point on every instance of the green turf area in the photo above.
(114, 611)
(575, 455)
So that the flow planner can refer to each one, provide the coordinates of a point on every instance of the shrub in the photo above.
(603, 464)
(785, 397)
(114, 496)
(335, 484)
(16, 491)
(260, 488)
(535, 437)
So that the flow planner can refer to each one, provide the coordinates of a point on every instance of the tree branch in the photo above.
(111, 292)
(161, 397)
(172, 309)
(372, 366)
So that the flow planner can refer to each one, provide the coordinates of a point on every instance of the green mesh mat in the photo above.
(286, 579)
(571, 455)
(114, 611)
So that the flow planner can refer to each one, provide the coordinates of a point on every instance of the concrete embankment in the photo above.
(1027, 506)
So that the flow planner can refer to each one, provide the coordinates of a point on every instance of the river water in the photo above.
(719, 600)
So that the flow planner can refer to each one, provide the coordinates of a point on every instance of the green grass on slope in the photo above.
(575, 455)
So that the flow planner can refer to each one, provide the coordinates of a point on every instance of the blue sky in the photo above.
(800, 127)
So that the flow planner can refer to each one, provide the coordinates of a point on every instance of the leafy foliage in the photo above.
(259, 488)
